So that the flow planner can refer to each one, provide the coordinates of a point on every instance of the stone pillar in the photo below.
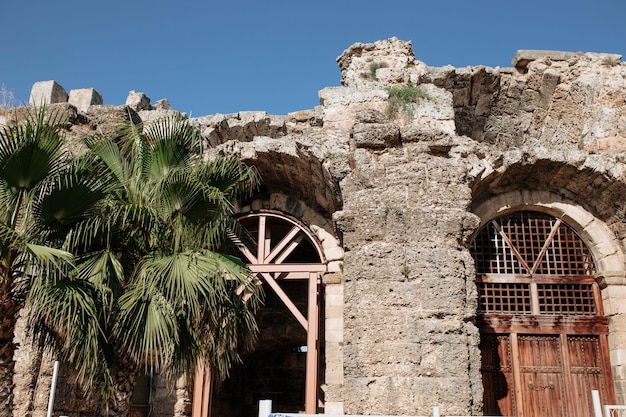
(47, 92)
(333, 339)
(614, 302)
(409, 295)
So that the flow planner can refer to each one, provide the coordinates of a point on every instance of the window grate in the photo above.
(566, 299)
(504, 298)
(530, 243)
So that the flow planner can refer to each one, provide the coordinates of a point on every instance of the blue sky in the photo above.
(210, 57)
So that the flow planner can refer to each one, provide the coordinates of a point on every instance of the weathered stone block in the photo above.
(138, 101)
(84, 97)
(47, 92)
(375, 135)
(524, 56)
(162, 104)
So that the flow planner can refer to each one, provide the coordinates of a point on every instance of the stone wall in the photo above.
(395, 202)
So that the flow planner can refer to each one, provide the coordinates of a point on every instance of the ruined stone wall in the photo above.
(395, 201)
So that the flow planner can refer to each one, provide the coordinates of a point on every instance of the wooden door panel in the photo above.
(586, 369)
(542, 394)
(579, 398)
(540, 351)
(541, 375)
(497, 375)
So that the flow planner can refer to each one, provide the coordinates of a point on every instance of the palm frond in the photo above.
(230, 175)
(146, 327)
(173, 299)
(105, 271)
(64, 315)
(31, 150)
(111, 156)
(49, 255)
(67, 199)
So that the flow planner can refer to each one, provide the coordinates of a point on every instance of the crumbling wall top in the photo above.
(386, 59)
(524, 56)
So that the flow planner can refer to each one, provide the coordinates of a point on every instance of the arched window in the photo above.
(543, 330)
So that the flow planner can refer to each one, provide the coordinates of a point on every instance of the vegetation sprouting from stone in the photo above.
(7, 98)
(373, 67)
(339, 155)
(402, 98)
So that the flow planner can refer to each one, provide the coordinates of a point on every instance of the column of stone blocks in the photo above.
(333, 324)
(614, 300)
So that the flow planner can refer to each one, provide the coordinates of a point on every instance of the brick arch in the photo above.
(285, 167)
(592, 182)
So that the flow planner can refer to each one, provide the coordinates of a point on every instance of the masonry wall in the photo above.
(395, 201)
(409, 295)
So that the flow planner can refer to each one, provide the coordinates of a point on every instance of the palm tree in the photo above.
(32, 159)
(148, 256)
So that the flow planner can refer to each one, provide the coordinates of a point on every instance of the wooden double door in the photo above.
(543, 331)
(543, 374)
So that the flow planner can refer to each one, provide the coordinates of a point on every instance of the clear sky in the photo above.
(210, 57)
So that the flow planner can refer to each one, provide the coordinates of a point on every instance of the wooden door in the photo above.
(555, 374)
(543, 331)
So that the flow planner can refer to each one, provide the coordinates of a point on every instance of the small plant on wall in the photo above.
(373, 67)
(401, 99)
(7, 99)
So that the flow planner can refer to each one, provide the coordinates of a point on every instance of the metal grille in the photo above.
(493, 255)
(529, 242)
(566, 255)
(566, 299)
(504, 298)
(515, 252)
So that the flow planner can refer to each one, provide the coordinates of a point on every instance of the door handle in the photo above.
(532, 386)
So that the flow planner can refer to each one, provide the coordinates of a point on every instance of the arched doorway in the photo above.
(543, 330)
(287, 259)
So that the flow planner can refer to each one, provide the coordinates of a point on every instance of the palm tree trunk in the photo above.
(124, 374)
(26, 371)
(8, 317)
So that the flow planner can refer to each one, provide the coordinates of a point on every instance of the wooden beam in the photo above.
(287, 268)
(284, 242)
(207, 394)
(261, 242)
(285, 298)
(312, 352)
(517, 377)
(198, 389)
